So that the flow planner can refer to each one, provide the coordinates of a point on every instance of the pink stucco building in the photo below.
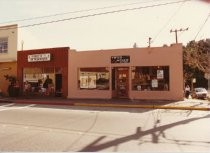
(134, 73)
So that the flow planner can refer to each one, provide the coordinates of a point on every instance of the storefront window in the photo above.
(94, 78)
(150, 78)
(34, 80)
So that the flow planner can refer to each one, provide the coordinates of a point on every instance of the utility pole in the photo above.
(175, 31)
(22, 43)
(149, 41)
(134, 45)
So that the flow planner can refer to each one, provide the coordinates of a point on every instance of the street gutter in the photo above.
(144, 106)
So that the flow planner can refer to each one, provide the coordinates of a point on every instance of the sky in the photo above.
(99, 24)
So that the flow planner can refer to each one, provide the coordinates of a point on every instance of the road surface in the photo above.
(30, 127)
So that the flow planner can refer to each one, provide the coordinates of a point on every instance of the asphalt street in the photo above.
(33, 127)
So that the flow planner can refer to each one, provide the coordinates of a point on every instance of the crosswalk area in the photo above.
(13, 106)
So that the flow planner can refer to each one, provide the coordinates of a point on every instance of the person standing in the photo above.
(187, 91)
(48, 84)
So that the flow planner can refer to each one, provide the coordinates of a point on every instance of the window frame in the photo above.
(150, 78)
(4, 45)
(93, 78)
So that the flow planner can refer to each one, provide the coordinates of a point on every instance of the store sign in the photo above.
(120, 59)
(39, 57)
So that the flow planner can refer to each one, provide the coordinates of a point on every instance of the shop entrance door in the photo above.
(122, 79)
(58, 87)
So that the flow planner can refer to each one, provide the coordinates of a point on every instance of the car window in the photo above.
(200, 90)
(197, 90)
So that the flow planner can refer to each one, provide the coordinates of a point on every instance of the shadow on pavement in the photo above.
(155, 133)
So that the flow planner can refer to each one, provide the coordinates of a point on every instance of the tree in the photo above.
(11, 79)
(196, 59)
(13, 88)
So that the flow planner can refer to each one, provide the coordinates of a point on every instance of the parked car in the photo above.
(199, 93)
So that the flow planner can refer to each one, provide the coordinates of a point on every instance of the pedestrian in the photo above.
(48, 85)
(187, 91)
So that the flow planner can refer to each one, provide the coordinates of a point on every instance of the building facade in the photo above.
(8, 54)
(133, 73)
(35, 66)
(6, 68)
(8, 43)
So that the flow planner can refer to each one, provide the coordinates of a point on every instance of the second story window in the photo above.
(3, 45)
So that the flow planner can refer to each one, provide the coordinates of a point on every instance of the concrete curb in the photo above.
(6, 101)
(43, 103)
(144, 106)
(35, 102)
(109, 105)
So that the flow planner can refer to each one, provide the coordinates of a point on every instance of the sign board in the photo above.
(39, 57)
(88, 82)
(160, 74)
(120, 59)
(154, 83)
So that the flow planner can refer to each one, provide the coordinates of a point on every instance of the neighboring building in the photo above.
(8, 43)
(33, 67)
(153, 73)
(133, 73)
(6, 68)
(8, 54)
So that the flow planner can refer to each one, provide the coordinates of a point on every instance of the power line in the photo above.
(73, 12)
(167, 23)
(202, 26)
(96, 14)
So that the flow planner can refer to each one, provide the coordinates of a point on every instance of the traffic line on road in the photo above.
(14, 107)
(144, 106)
(7, 105)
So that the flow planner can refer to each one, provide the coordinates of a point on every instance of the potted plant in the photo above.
(13, 88)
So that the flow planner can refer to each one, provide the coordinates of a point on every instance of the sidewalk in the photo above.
(187, 104)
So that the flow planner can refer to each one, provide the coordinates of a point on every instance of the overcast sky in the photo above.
(154, 18)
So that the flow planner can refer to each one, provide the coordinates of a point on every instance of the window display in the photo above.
(94, 78)
(146, 78)
(39, 81)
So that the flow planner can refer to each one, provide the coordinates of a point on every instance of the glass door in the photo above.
(122, 82)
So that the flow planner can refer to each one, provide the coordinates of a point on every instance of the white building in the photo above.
(8, 43)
